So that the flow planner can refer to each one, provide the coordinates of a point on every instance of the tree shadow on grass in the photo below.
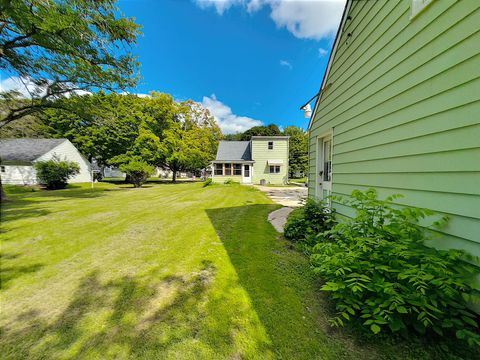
(10, 272)
(129, 317)
(26, 204)
(278, 281)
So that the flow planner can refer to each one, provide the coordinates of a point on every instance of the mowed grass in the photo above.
(163, 272)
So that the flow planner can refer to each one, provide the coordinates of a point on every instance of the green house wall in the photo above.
(403, 101)
(261, 154)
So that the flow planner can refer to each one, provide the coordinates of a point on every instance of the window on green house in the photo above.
(274, 169)
(270, 145)
(228, 169)
(219, 169)
(237, 169)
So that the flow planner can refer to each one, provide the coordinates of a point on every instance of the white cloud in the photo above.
(228, 121)
(28, 89)
(305, 19)
(322, 52)
(220, 5)
(286, 64)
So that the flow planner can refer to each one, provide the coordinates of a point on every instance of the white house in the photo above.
(17, 157)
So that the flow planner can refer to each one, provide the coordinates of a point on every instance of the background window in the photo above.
(228, 169)
(237, 169)
(219, 169)
(270, 145)
(274, 169)
(2, 168)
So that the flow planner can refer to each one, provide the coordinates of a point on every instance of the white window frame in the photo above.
(270, 143)
(276, 169)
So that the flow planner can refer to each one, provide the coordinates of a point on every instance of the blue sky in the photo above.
(248, 61)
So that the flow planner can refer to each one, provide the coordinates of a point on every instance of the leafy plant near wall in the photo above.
(382, 277)
(55, 173)
(305, 223)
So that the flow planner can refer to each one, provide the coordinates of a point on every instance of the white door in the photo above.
(324, 167)
(247, 173)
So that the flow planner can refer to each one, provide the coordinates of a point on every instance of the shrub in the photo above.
(54, 173)
(304, 224)
(207, 182)
(230, 181)
(381, 275)
(137, 171)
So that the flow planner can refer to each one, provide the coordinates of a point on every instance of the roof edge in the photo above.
(330, 59)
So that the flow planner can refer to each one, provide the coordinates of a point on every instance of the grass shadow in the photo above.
(142, 319)
(278, 281)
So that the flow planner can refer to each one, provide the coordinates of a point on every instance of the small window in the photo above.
(274, 169)
(270, 145)
(237, 169)
(219, 169)
(228, 169)
(2, 169)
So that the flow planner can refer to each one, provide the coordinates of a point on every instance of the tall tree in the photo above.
(269, 130)
(298, 150)
(59, 47)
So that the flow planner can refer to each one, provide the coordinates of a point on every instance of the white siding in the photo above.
(19, 175)
(67, 151)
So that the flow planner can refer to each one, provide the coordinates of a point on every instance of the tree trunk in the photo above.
(174, 176)
(3, 196)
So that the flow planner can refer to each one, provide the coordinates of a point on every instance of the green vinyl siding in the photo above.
(261, 155)
(222, 179)
(403, 101)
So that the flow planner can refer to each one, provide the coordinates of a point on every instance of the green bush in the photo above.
(381, 275)
(230, 181)
(54, 173)
(207, 182)
(137, 171)
(304, 224)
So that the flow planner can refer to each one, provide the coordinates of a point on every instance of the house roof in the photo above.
(331, 58)
(26, 150)
(234, 150)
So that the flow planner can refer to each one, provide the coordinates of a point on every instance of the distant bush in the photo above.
(207, 182)
(382, 277)
(55, 173)
(305, 223)
(137, 171)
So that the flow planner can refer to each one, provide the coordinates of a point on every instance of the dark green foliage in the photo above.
(382, 277)
(207, 182)
(269, 130)
(64, 46)
(230, 181)
(304, 224)
(137, 171)
(54, 173)
(297, 150)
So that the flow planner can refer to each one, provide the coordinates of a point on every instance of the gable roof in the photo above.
(330, 60)
(26, 150)
(234, 150)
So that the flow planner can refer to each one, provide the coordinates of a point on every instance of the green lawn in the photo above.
(169, 271)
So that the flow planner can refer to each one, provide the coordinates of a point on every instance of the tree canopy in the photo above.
(117, 129)
(62, 47)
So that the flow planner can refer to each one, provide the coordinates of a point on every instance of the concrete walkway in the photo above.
(278, 218)
(289, 197)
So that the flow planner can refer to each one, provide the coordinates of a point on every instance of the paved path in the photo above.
(289, 197)
(278, 218)
(286, 196)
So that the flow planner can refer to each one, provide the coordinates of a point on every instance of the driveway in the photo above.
(286, 196)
